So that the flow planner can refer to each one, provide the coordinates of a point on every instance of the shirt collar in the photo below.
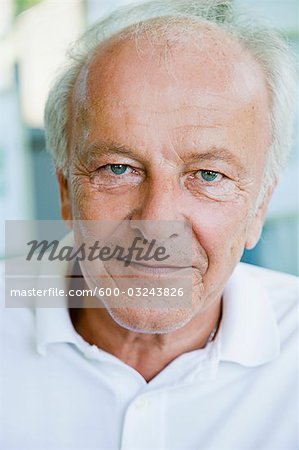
(248, 333)
(53, 325)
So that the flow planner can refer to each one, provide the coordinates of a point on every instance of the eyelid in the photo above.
(105, 160)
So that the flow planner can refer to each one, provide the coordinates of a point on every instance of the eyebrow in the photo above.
(215, 154)
(109, 148)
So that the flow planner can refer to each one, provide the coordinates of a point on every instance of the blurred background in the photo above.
(34, 35)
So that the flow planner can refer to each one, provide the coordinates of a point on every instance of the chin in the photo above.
(151, 321)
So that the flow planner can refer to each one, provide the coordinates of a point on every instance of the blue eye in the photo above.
(118, 169)
(209, 175)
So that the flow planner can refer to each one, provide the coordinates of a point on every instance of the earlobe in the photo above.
(65, 201)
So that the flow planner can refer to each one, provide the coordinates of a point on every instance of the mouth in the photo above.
(155, 269)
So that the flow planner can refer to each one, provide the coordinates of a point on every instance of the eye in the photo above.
(118, 169)
(209, 175)
(112, 175)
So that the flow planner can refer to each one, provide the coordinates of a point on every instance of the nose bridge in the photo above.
(159, 214)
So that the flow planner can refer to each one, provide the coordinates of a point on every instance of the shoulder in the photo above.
(282, 288)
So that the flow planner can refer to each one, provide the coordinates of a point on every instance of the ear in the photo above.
(255, 228)
(65, 198)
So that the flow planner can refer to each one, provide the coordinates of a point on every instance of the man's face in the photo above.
(178, 132)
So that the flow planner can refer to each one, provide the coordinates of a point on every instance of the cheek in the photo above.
(91, 204)
(221, 230)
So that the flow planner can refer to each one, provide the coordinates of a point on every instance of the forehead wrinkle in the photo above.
(134, 106)
(190, 128)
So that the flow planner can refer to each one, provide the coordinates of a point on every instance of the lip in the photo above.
(156, 269)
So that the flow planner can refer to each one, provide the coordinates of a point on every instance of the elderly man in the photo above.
(169, 112)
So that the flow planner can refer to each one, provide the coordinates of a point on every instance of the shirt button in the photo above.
(142, 403)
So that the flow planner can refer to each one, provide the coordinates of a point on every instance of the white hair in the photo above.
(264, 43)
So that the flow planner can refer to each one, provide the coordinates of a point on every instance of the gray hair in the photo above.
(265, 44)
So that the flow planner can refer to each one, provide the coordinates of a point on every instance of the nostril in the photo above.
(158, 230)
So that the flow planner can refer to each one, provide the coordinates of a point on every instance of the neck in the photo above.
(149, 354)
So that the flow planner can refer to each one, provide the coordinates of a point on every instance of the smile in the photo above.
(156, 269)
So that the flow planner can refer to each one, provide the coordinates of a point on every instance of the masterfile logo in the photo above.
(137, 264)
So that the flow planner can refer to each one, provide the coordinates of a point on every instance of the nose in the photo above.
(158, 215)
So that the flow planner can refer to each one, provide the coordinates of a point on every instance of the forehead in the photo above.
(183, 78)
(198, 56)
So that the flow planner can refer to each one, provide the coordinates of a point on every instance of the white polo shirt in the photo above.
(240, 392)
